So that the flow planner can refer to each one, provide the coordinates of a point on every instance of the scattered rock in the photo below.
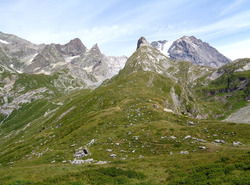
(91, 142)
(168, 110)
(113, 155)
(187, 137)
(172, 137)
(184, 152)
(200, 140)
(202, 147)
(171, 153)
(155, 106)
(220, 141)
(136, 137)
(109, 150)
(81, 153)
(141, 156)
(237, 143)
(73, 145)
(87, 161)
(191, 123)
(102, 162)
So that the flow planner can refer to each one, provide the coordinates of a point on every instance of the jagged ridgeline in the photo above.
(156, 122)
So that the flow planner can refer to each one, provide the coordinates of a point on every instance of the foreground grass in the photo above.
(222, 167)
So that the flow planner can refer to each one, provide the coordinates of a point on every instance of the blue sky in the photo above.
(116, 25)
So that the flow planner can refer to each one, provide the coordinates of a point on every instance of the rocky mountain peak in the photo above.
(74, 47)
(142, 42)
(189, 48)
(95, 49)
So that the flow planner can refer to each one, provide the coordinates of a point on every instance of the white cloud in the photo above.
(231, 7)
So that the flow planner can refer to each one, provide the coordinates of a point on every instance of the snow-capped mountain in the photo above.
(162, 45)
(193, 50)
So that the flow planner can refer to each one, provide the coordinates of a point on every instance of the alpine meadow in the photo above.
(173, 112)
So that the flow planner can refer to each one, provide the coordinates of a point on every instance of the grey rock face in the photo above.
(193, 50)
(142, 41)
(73, 48)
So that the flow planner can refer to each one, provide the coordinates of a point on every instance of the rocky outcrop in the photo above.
(142, 42)
(73, 48)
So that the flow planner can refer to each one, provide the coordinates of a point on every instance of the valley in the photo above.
(146, 119)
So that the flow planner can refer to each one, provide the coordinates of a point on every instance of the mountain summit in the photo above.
(189, 48)
(142, 42)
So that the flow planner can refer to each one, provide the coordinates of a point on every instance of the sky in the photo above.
(116, 25)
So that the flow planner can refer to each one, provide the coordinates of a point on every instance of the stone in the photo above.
(81, 153)
(184, 152)
(187, 137)
(202, 147)
(191, 123)
(200, 140)
(77, 161)
(172, 137)
(109, 150)
(168, 110)
(237, 143)
(102, 162)
(220, 141)
(155, 106)
(91, 142)
(113, 155)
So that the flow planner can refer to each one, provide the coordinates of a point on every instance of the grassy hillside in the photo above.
(137, 128)
(229, 92)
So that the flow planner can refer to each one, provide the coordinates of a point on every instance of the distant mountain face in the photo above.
(90, 66)
(193, 50)
(30, 72)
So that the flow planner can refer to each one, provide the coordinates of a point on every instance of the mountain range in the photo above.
(73, 115)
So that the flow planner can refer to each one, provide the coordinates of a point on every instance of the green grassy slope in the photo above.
(229, 92)
(125, 116)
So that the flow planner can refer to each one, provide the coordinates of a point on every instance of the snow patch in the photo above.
(4, 42)
(30, 59)
(69, 59)
(163, 47)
